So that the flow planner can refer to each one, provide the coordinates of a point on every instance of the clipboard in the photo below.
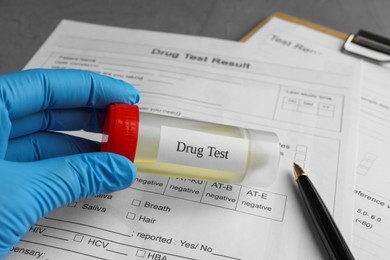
(365, 45)
(296, 20)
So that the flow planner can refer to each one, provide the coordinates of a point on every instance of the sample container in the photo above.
(177, 147)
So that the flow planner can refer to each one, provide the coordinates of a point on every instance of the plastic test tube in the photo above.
(178, 147)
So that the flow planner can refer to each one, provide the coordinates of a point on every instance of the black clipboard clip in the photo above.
(368, 46)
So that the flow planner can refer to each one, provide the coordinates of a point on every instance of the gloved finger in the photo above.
(34, 189)
(88, 119)
(44, 145)
(5, 126)
(34, 90)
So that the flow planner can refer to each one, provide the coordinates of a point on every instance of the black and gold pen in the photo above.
(326, 227)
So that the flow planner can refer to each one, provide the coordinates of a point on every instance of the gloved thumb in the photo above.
(31, 190)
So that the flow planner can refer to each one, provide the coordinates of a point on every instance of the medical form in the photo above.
(372, 197)
(211, 80)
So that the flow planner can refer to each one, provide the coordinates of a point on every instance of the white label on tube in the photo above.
(202, 150)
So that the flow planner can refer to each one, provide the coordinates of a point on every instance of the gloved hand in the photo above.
(42, 170)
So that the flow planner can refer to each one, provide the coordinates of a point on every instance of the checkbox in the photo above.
(365, 164)
(300, 157)
(370, 157)
(78, 238)
(301, 148)
(140, 253)
(362, 171)
(72, 205)
(136, 203)
(130, 216)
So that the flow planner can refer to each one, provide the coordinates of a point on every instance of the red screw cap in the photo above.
(121, 130)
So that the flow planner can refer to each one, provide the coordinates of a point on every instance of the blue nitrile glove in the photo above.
(42, 170)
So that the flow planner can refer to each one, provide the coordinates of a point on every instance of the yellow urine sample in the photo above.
(184, 148)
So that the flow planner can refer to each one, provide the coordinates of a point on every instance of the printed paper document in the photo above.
(372, 194)
(311, 110)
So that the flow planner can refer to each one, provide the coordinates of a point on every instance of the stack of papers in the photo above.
(308, 96)
(372, 194)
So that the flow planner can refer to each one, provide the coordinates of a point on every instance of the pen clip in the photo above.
(368, 46)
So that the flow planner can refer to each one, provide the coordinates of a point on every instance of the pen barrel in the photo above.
(323, 220)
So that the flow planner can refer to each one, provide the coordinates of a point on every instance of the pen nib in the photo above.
(298, 171)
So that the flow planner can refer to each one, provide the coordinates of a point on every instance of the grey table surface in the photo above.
(25, 24)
